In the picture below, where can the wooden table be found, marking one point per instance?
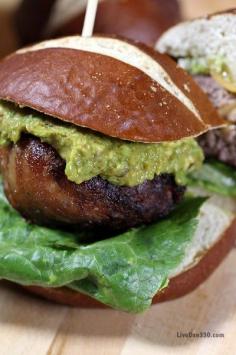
(31, 326)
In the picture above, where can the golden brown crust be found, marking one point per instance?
(65, 296)
(187, 84)
(223, 12)
(178, 286)
(192, 278)
(106, 94)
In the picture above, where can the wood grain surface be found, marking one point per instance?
(29, 325)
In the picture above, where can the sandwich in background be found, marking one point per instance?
(206, 48)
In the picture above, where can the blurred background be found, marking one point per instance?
(20, 25)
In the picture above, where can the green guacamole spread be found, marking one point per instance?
(195, 65)
(204, 65)
(88, 154)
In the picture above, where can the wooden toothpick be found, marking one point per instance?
(90, 16)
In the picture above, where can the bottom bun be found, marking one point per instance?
(178, 286)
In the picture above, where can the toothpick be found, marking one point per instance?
(90, 18)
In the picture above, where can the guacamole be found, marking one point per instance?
(195, 65)
(88, 154)
(204, 65)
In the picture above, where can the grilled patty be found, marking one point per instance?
(219, 143)
(216, 93)
(36, 185)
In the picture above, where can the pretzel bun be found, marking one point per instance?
(213, 240)
(203, 37)
(110, 86)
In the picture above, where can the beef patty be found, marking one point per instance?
(36, 186)
(219, 143)
(217, 94)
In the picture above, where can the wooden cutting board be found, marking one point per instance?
(32, 326)
(29, 325)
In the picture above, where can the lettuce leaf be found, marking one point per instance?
(216, 177)
(124, 272)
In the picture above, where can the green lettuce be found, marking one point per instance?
(124, 272)
(215, 176)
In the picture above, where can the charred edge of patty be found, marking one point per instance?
(36, 185)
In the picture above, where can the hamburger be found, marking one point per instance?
(97, 140)
(205, 48)
(136, 19)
